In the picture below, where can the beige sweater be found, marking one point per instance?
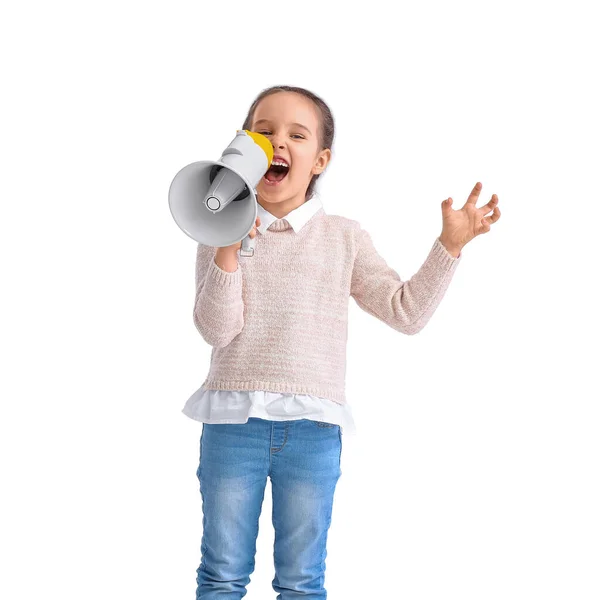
(280, 321)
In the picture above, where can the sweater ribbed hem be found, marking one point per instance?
(338, 396)
(446, 258)
(224, 278)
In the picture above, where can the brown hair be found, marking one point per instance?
(326, 134)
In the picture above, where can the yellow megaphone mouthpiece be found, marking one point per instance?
(264, 143)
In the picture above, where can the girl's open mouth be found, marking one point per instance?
(275, 175)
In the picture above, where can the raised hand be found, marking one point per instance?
(461, 226)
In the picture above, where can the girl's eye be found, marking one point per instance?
(265, 132)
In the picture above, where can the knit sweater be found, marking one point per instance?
(280, 321)
(238, 406)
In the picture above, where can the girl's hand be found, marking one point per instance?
(235, 247)
(461, 226)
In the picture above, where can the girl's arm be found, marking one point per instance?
(218, 312)
(404, 306)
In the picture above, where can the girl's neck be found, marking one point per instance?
(282, 209)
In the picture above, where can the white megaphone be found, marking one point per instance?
(214, 202)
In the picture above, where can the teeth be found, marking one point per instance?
(279, 163)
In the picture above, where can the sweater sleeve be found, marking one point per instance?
(218, 312)
(404, 306)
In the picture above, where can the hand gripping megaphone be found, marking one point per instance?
(214, 202)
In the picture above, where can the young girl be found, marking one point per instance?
(273, 404)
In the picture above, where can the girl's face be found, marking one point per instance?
(290, 121)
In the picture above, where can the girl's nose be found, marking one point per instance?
(276, 143)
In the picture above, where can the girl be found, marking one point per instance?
(273, 404)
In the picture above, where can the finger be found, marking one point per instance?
(486, 208)
(487, 221)
(494, 216)
(446, 205)
(474, 194)
(253, 232)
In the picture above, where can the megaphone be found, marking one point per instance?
(214, 201)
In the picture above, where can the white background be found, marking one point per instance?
(468, 478)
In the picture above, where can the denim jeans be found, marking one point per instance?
(302, 459)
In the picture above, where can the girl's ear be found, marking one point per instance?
(322, 161)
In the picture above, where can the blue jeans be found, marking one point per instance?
(302, 459)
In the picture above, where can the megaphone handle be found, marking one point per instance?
(247, 248)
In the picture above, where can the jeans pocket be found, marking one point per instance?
(324, 424)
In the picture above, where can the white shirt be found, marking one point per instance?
(221, 406)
